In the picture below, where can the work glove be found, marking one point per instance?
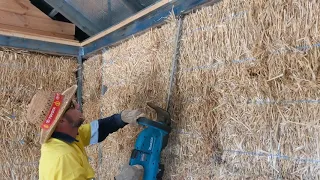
(131, 116)
(130, 173)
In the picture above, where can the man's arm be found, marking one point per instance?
(101, 128)
(109, 125)
(98, 130)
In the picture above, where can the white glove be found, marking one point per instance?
(131, 116)
(130, 173)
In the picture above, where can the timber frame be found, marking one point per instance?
(152, 16)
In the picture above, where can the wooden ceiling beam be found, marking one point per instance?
(25, 21)
(22, 7)
(26, 31)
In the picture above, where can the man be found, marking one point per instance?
(63, 137)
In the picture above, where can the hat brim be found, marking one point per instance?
(68, 95)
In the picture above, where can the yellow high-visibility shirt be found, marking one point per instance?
(66, 161)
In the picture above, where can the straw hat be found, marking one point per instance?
(40, 105)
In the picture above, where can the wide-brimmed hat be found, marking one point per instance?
(47, 108)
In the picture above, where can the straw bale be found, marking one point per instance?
(91, 110)
(255, 112)
(300, 141)
(184, 157)
(249, 138)
(135, 72)
(190, 145)
(250, 60)
(92, 78)
(242, 167)
(196, 98)
(23, 172)
(21, 75)
(91, 101)
(93, 156)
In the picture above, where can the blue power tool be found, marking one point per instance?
(150, 142)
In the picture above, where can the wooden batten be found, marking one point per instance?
(23, 7)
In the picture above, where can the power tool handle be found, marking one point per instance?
(142, 119)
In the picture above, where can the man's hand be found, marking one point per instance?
(130, 173)
(131, 116)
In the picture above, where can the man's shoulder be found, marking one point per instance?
(56, 148)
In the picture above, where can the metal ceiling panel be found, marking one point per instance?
(106, 13)
(152, 19)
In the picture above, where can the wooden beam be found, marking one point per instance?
(39, 38)
(39, 46)
(126, 22)
(27, 31)
(22, 7)
(14, 19)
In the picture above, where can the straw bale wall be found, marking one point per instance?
(136, 72)
(92, 88)
(245, 100)
(92, 100)
(21, 75)
(246, 95)
(258, 62)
